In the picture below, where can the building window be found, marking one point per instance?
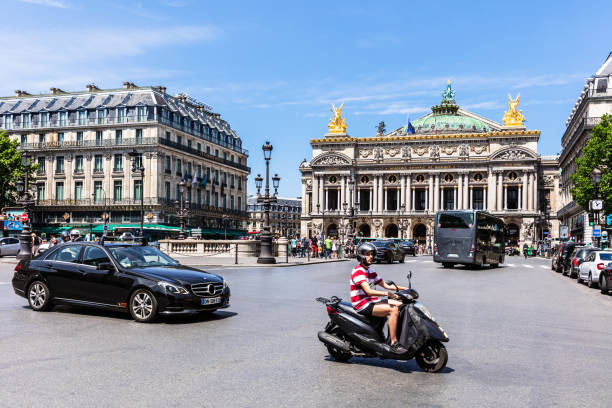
(208, 198)
(79, 138)
(40, 192)
(98, 191)
(24, 140)
(420, 197)
(63, 118)
(216, 200)
(25, 120)
(120, 115)
(44, 119)
(420, 178)
(512, 197)
(82, 117)
(59, 164)
(60, 137)
(207, 149)
(168, 164)
(118, 190)
(101, 113)
(199, 147)
(216, 152)
(118, 136)
(78, 190)
(141, 113)
(179, 168)
(478, 198)
(477, 177)
(99, 138)
(199, 197)
(232, 181)
(41, 164)
(167, 135)
(178, 193)
(239, 203)
(78, 164)
(8, 122)
(138, 136)
(240, 183)
(167, 190)
(200, 171)
(231, 202)
(59, 190)
(189, 169)
(449, 199)
(118, 163)
(137, 190)
(98, 163)
(189, 144)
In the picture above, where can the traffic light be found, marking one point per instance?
(591, 219)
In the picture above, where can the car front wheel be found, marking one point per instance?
(39, 296)
(143, 306)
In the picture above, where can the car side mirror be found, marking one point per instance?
(105, 266)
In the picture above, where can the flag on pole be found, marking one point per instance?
(194, 180)
(409, 128)
(203, 182)
(186, 178)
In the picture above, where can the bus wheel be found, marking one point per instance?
(447, 265)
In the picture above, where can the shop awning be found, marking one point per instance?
(99, 229)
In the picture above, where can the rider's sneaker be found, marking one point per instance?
(398, 348)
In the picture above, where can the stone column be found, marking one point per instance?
(536, 196)
(466, 193)
(430, 194)
(304, 198)
(342, 193)
(375, 194)
(505, 197)
(402, 193)
(326, 198)
(530, 193)
(485, 203)
(315, 192)
(428, 203)
(385, 196)
(490, 203)
(471, 206)
(525, 199)
(371, 207)
(455, 197)
(413, 198)
(499, 191)
(520, 201)
(409, 194)
(459, 201)
(436, 194)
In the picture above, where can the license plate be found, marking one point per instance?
(211, 301)
(453, 256)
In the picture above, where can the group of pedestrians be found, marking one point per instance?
(327, 247)
(72, 236)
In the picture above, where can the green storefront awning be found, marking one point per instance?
(99, 229)
(53, 229)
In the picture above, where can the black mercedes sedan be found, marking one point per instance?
(118, 276)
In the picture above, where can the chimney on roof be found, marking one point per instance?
(92, 88)
(160, 89)
(56, 91)
(216, 115)
(21, 93)
(129, 85)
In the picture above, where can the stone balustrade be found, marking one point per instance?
(213, 247)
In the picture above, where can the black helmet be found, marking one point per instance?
(65, 234)
(363, 248)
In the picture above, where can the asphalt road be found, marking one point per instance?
(521, 335)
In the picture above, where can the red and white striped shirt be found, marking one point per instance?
(359, 298)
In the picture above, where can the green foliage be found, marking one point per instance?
(596, 153)
(11, 170)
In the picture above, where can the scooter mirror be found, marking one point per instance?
(390, 282)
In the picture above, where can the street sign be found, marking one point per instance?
(602, 218)
(564, 231)
(609, 219)
(24, 217)
(597, 231)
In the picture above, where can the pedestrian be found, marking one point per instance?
(328, 247)
(304, 246)
(294, 246)
(334, 248)
(315, 248)
(52, 241)
(36, 243)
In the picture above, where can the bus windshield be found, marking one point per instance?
(456, 220)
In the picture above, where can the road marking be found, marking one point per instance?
(543, 266)
(513, 265)
(5, 283)
(414, 260)
(528, 266)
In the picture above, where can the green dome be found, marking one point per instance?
(449, 123)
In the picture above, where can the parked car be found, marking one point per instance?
(590, 269)
(605, 280)
(388, 251)
(133, 278)
(577, 257)
(562, 256)
(9, 246)
(408, 247)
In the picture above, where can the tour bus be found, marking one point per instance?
(469, 238)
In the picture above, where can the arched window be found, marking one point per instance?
(477, 177)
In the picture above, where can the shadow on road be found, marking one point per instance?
(401, 366)
(186, 319)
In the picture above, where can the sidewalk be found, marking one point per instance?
(223, 260)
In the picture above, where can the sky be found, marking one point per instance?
(273, 69)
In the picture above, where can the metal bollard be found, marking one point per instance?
(236, 256)
(308, 254)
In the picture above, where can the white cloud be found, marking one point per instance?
(48, 3)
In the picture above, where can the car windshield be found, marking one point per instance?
(137, 256)
(380, 244)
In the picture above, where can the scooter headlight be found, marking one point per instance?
(424, 310)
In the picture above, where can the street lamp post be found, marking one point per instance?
(25, 250)
(136, 167)
(265, 254)
(596, 177)
(182, 210)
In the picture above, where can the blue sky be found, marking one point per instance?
(272, 69)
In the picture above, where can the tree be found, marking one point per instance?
(11, 170)
(381, 129)
(597, 152)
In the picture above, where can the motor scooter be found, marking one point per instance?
(350, 334)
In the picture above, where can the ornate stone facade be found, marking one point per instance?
(447, 159)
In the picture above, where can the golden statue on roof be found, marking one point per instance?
(513, 117)
(337, 124)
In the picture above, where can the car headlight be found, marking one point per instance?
(172, 289)
(225, 283)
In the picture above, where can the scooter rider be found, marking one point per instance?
(75, 236)
(366, 300)
(65, 237)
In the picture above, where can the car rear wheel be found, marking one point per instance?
(390, 258)
(143, 306)
(590, 282)
(39, 296)
(402, 259)
(578, 278)
(603, 285)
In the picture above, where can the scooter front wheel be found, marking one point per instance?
(432, 357)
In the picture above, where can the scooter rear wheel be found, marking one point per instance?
(432, 357)
(338, 355)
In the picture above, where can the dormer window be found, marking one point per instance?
(141, 114)
(82, 117)
(63, 118)
(120, 115)
(25, 120)
(101, 113)
(44, 119)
